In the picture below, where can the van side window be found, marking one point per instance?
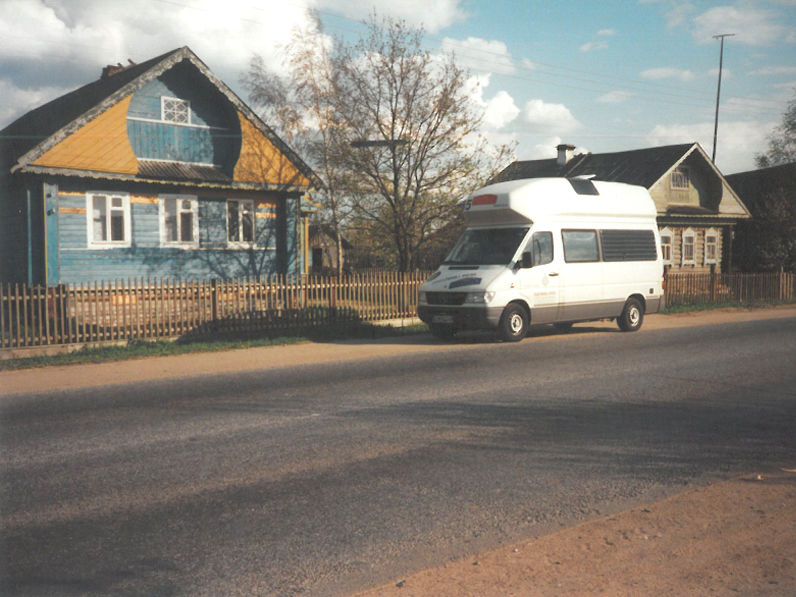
(628, 245)
(580, 246)
(542, 247)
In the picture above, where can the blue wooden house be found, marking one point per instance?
(156, 170)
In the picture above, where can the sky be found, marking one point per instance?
(601, 75)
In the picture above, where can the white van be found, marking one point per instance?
(548, 250)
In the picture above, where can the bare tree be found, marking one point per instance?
(303, 107)
(415, 128)
(390, 128)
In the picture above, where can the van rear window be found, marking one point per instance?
(628, 245)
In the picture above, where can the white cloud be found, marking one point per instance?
(432, 16)
(751, 25)
(500, 110)
(738, 141)
(17, 101)
(614, 97)
(546, 148)
(545, 118)
(65, 43)
(774, 70)
(480, 55)
(678, 14)
(606, 32)
(593, 45)
(667, 72)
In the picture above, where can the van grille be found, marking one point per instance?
(446, 298)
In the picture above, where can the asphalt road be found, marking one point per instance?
(327, 478)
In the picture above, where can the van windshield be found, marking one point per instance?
(486, 246)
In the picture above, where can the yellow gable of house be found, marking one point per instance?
(100, 145)
(261, 162)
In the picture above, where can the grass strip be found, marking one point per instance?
(136, 349)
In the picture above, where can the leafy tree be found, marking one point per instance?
(782, 142)
(767, 242)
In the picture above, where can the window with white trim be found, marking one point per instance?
(179, 217)
(108, 219)
(666, 245)
(240, 221)
(711, 246)
(680, 178)
(175, 110)
(688, 248)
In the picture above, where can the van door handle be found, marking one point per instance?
(552, 274)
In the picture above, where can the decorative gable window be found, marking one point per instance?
(179, 220)
(666, 245)
(240, 221)
(688, 250)
(108, 219)
(175, 110)
(680, 179)
(711, 246)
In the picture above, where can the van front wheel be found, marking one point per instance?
(632, 316)
(513, 324)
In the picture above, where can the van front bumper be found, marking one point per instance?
(461, 318)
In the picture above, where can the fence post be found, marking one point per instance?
(214, 304)
(712, 283)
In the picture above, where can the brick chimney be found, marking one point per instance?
(565, 153)
(112, 69)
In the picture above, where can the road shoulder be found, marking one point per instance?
(732, 537)
(59, 378)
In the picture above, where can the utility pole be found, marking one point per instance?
(718, 91)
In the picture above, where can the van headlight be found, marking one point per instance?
(479, 298)
(422, 298)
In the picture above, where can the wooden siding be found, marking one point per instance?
(261, 162)
(212, 137)
(214, 258)
(699, 266)
(100, 145)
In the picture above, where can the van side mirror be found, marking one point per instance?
(527, 260)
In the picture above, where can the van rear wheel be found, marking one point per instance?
(632, 316)
(513, 324)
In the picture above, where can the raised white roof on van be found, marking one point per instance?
(534, 199)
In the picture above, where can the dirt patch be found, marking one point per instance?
(729, 538)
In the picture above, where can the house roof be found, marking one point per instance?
(753, 186)
(30, 136)
(642, 167)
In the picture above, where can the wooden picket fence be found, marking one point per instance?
(147, 309)
(150, 309)
(688, 289)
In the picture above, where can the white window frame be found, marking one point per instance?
(194, 210)
(688, 233)
(110, 209)
(163, 110)
(239, 242)
(712, 232)
(680, 178)
(667, 233)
